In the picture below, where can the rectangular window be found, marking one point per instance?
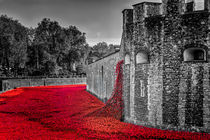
(142, 88)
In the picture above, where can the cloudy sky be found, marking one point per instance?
(101, 20)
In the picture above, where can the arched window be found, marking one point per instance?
(194, 54)
(127, 59)
(141, 57)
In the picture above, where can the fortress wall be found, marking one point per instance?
(183, 80)
(206, 97)
(168, 91)
(193, 86)
(14, 83)
(141, 92)
(101, 76)
(125, 51)
(171, 100)
(171, 51)
(126, 91)
(154, 41)
(148, 76)
(194, 105)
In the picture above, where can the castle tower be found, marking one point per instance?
(184, 62)
(166, 71)
(147, 63)
(138, 97)
(171, 52)
(126, 44)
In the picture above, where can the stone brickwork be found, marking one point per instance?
(166, 73)
(126, 46)
(14, 83)
(175, 88)
(101, 76)
(126, 91)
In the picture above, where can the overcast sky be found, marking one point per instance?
(101, 20)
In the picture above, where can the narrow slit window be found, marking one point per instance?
(142, 88)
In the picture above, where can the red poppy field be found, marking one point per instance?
(68, 112)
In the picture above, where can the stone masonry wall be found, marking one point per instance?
(148, 77)
(14, 83)
(125, 50)
(176, 92)
(167, 91)
(191, 94)
(141, 93)
(184, 83)
(101, 76)
(126, 91)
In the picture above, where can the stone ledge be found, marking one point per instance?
(168, 127)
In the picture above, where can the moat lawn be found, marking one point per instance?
(64, 112)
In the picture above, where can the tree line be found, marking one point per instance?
(45, 50)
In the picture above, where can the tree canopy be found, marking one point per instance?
(13, 45)
(48, 49)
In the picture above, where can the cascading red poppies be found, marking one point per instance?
(114, 106)
(70, 112)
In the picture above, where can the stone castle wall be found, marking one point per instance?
(166, 72)
(169, 90)
(101, 76)
(145, 100)
(14, 83)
